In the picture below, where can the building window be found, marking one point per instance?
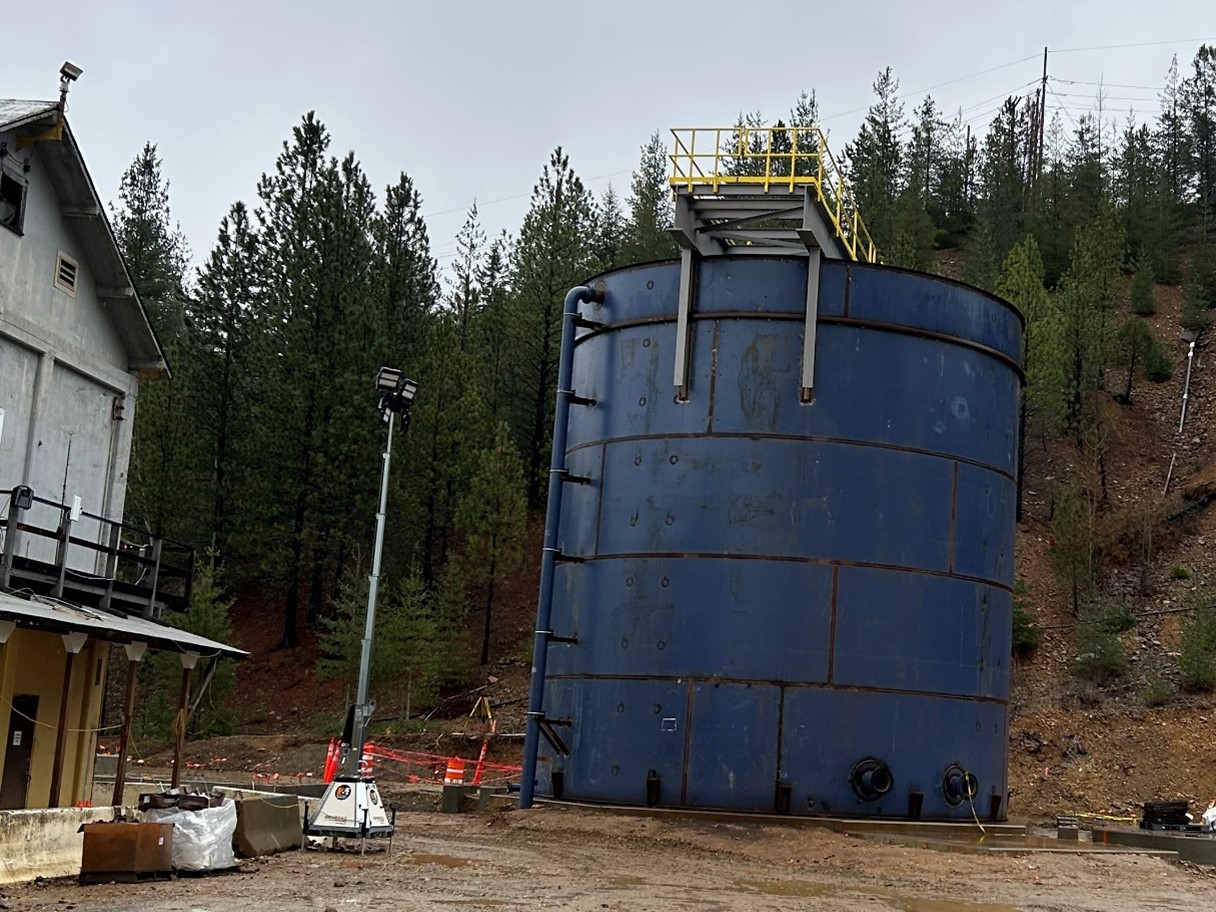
(65, 274)
(12, 202)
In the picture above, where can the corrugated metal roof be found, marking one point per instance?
(60, 617)
(15, 111)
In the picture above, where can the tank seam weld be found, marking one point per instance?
(797, 438)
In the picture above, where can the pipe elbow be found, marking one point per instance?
(581, 294)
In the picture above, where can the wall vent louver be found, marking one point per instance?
(65, 274)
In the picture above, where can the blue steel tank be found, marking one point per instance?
(769, 605)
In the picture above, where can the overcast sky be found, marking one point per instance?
(470, 97)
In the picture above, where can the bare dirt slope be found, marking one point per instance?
(581, 860)
(1077, 747)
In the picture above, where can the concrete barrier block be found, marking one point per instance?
(266, 824)
(48, 842)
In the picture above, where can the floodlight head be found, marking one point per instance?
(69, 72)
(396, 392)
(388, 379)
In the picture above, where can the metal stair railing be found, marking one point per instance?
(771, 160)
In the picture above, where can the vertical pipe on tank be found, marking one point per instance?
(553, 509)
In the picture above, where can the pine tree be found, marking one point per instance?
(912, 244)
(428, 651)
(610, 230)
(152, 245)
(875, 160)
(321, 334)
(491, 515)
(1004, 187)
(221, 314)
(980, 266)
(1173, 142)
(493, 278)
(743, 152)
(449, 424)
(1021, 283)
(1137, 346)
(1087, 303)
(956, 181)
(1141, 193)
(650, 213)
(166, 493)
(927, 161)
(415, 644)
(1051, 196)
(1194, 316)
(1142, 303)
(1086, 176)
(160, 676)
(553, 254)
(464, 296)
(804, 130)
(1073, 545)
(1198, 96)
(208, 616)
(405, 274)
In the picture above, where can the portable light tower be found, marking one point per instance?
(351, 805)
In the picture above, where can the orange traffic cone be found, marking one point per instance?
(455, 772)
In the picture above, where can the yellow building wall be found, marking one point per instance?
(32, 662)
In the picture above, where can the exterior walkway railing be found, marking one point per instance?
(771, 159)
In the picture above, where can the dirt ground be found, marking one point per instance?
(577, 859)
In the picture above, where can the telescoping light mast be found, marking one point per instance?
(352, 806)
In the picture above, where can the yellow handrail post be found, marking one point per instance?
(793, 158)
(717, 157)
(768, 157)
(693, 155)
(839, 197)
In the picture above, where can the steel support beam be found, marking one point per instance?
(688, 265)
(806, 392)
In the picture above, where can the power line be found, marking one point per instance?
(1110, 85)
(1104, 97)
(517, 196)
(1063, 107)
(1002, 66)
(980, 116)
(1115, 47)
(1001, 97)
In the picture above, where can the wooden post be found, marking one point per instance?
(11, 525)
(72, 644)
(61, 556)
(183, 714)
(135, 652)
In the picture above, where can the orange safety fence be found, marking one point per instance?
(421, 767)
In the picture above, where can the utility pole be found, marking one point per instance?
(1042, 117)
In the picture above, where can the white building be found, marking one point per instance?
(75, 342)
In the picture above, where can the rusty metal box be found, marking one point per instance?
(125, 851)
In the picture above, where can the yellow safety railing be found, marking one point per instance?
(771, 158)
